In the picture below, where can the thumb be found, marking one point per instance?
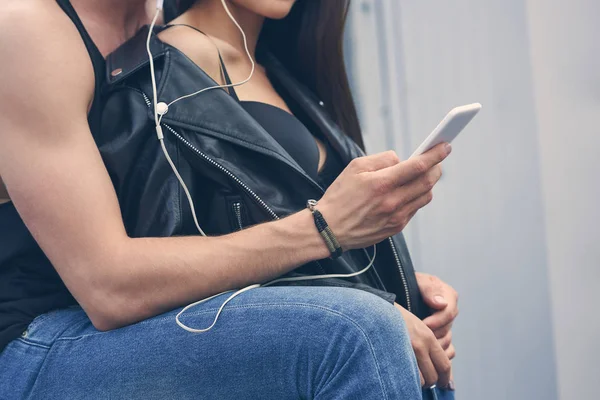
(432, 291)
(435, 300)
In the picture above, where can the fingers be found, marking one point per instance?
(443, 331)
(398, 221)
(441, 318)
(427, 368)
(446, 340)
(375, 162)
(442, 364)
(429, 372)
(406, 171)
(420, 188)
(450, 353)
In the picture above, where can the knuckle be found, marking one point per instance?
(455, 313)
(445, 342)
(399, 224)
(388, 206)
(431, 339)
(364, 180)
(380, 186)
(431, 380)
(428, 197)
(392, 156)
(446, 367)
(398, 218)
(451, 352)
(430, 181)
(421, 167)
(355, 163)
(420, 347)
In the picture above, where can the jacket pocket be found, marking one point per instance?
(237, 214)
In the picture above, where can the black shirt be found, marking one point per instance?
(29, 284)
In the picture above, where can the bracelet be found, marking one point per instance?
(330, 240)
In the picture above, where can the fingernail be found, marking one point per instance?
(448, 148)
(440, 300)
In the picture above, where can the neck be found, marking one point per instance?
(210, 17)
(112, 22)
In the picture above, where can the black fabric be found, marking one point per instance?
(293, 135)
(289, 132)
(29, 285)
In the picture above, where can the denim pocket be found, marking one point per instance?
(31, 328)
(46, 326)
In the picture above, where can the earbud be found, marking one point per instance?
(162, 108)
(160, 4)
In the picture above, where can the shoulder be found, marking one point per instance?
(41, 50)
(198, 47)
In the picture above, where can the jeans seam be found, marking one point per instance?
(249, 306)
(33, 386)
(30, 343)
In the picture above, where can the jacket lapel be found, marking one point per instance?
(313, 108)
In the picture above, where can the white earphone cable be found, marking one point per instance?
(247, 50)
(292, 279)
(159, 132)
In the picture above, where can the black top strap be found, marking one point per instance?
(95, 54)
(98, 62)
(231, 90)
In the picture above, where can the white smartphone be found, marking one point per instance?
(449, 128)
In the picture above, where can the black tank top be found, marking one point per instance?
(29, 285)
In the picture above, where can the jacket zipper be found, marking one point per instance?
(267, 208)
(226, 171)
(237, 211)
(219, 166)
(402, 275)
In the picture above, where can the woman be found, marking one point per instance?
(297, 342)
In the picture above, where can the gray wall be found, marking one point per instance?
(565, 52)
(514, 220)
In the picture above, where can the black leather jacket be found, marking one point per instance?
(237, 173)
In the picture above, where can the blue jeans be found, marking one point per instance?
(269, 343)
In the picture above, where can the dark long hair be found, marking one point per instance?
(309, 43)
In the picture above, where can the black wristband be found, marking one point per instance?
(330, 240)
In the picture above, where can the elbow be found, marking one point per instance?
(103, 323)
(112, 312)
(108, 297)
(104, 311)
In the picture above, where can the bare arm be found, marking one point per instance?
(56, 179)
(58, 183)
